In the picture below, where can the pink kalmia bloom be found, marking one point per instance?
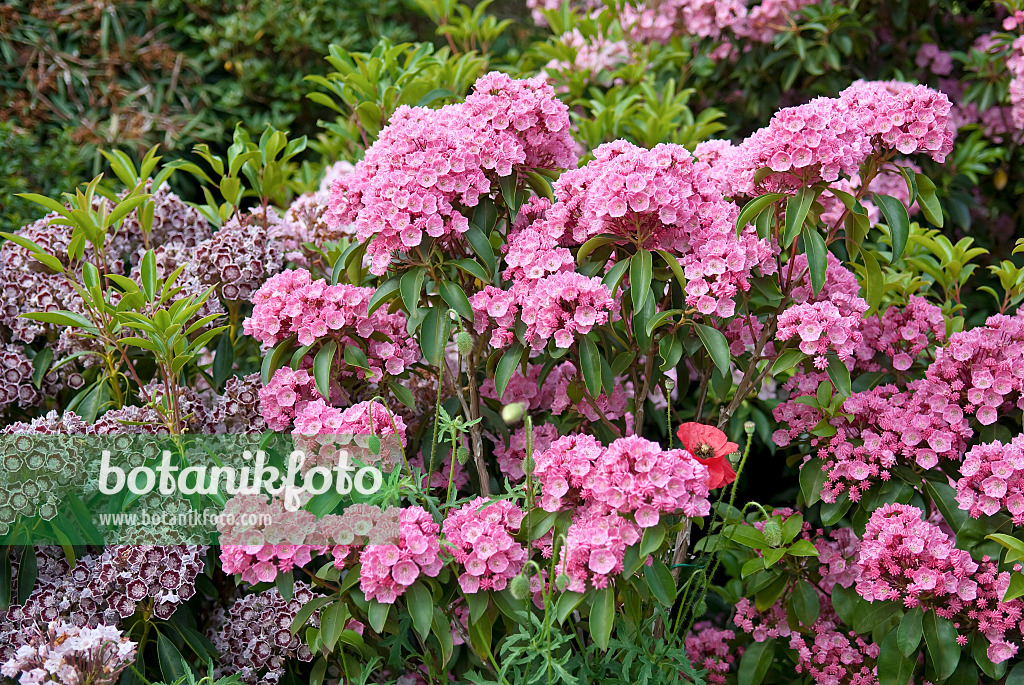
(479, 535)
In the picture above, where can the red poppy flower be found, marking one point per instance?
(710, 447)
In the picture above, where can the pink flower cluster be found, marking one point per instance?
(565, 471)
(322, 432)
(291, 303)
(427, 164)
(356, 527)
(823, 327)
(902, 333)
(595, 547)
(260, 552)
(902, 116)
(708, 648)
(802, 145)
(1015, 65)
(830, 655)
(65, 654)
(286, 396)
(511, 458)
(664, 199)
(558, 307)
(387, 570)
(634, 475)
(979, 372)
(827, 137)
(480, 535)
(938, 62)
(992, 478)
(906, 559)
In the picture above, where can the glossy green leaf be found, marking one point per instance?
(434, 335)
(322, 364)
(590, 364)
(817, 257)
(507, 365)
(602, 616)
(910, 632)
(755, 662)
(421, 607)
(453, 294)
(797, 208)
(753, 208)
(943, 650)
(899, 222)
(894, 667)
(715, 343)
(640, 273)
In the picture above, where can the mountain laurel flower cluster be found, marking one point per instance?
(676, 352)
(70, 655)
(480, 533)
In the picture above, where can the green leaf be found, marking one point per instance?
(590, 363)
(873, 614)
(27, 572)
(421, 607)
(802, 548)
(652, 539)
(640, 273)
(660, 581)
(507, 365)
(806, 604)
(602, 616)
(511, 195)
(453, 294)
(675, 266)
(385, 292)
(894, 667)
(402, 394)
(797, 208)
(1016, 675)
(715, 343)
(927, 200)
(840, 376)
(940, 638)
(817, 257)
(307, 610)
(434, 335)
(332, 622)
(566, 604)
(874, 285)
(910, 632)
(316, 676)
(594, 243)
(812, 480)
(442, 629)
(474, 269)
(411, 285)
(614, 277)
(40, 365)
(172, 666)
(274, 359)
(322, 363)
(787, 360)
(753, 208)
(481, 246)
(899, 222)
(377, 615)
(61, 318)
(755, 662)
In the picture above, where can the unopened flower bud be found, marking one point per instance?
(374, 444)
(464, 343)
(749, 427)
(700, 608)
(519, 587)
(772, 533)
(462, 454)
(562, 582)
(670, 384)
(512, 414)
